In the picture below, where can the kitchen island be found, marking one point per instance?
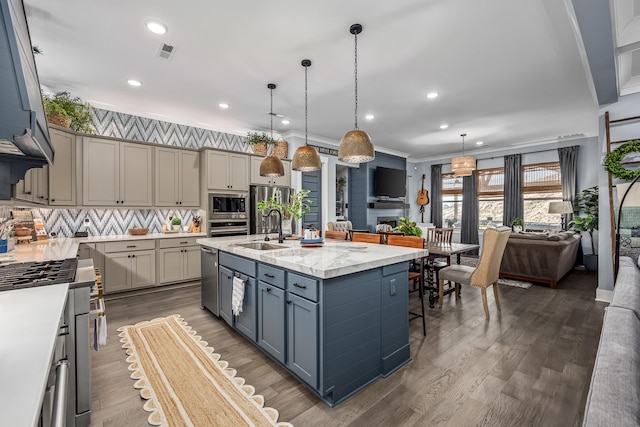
(336, 316)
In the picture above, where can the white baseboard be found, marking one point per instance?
(604, 295)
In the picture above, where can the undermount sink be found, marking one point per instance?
(261, 246)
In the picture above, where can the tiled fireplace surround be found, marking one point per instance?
(65, 222)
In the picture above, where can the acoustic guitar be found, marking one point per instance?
(423, 198)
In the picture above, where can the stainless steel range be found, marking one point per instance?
(81, 277)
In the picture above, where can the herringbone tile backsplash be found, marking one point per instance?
(65, 222)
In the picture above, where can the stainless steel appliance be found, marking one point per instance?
(209, 266)
(80, 275)
(228, 228)
(227, 206)
(258, 193)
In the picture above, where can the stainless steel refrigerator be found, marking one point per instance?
(259, 224)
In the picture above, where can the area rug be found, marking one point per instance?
(185, 383)
(472, 262)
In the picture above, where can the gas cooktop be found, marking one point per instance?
(37, 273)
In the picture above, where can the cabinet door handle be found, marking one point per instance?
(128, 256)
(288, 301)
(53, 200)
(131, 246)
(299, 286)
(183, 243)
(133, 256)
(180, 202)
(176, 203)
(268, 289)
(270, 276)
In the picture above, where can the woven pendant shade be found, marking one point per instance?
(306, 158)
(356, 147)
(271, 166)
(463, 165)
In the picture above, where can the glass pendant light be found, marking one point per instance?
(356, 145)
(271, 165)
(463, 165)
(306, 158)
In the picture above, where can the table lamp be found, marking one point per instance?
(562, 208)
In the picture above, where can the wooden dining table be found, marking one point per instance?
(447, 250)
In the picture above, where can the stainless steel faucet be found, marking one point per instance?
(280, 239)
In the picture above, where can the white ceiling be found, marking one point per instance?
(508, 73)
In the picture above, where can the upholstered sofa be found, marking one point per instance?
(614, 393)
(339, 226)
(540, 257)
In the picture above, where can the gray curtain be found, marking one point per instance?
(436, 195)
(469, 231)
(513, 198)
(568, 174)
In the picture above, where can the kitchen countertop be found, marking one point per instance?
(335, 258)
(27, 341)
(67, 247)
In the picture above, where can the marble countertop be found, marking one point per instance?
(67, 247)
(28, 337)
(335, 258)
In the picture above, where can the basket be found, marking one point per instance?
(260, 148)
(138, 231)
(59, 119)
(281, 149)
(22, 231)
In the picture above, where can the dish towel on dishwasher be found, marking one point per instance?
(237, 296)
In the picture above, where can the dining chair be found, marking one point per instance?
(415, 277)
(440, 235)
(486, 273)
(336, 235)
(435, 263)
(366, 237)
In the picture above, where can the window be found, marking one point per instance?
(451, 200)
(541, 184)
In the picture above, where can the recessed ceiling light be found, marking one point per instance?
(444, 126)
(479, 143)
(369, 117)
(156, 27)
(285, 122)
(432, 95)
(134, 83)
(223, 105)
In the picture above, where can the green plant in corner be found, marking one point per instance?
(587, 201)
(297, 207)
(74, 108)
(517, 222)
(408, 227)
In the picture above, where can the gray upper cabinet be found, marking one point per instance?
(177, 177)
(227, 171)
(62, 175)
(34, 187)
(116, 173)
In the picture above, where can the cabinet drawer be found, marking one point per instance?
(239, 264)
(271, 275)
(129, 245)
(176, 243)
(305, 287)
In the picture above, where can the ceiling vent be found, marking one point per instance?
(165, 51)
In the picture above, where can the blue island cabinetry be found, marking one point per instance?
(335, 335)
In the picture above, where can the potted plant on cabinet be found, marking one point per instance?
(517, 225)
(176, 223)
(259, 142)
(66, 111)
(587, 201)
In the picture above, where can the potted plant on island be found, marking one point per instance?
(517, 225)
(408, 227)
(63, 110)
(297, 207)
(587, 201)
(259, 142)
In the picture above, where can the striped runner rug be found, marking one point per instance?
(185, 383)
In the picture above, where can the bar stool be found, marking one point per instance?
(415, 277)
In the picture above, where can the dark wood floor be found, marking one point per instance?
(530, 365)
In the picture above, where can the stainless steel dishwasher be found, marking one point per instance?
(209, 266)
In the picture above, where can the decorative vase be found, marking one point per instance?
(260, 148)
(281, 149)
(176, 227)
(286, 226)
(517, 229)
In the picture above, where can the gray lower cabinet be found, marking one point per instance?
(246, 321)
(232, 266)
(225, 289)
(271, 320)
(302, 338)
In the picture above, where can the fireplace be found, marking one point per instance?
(390, 220)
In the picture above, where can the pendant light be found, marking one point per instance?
(306, 158)
(463, 165)
(356, 145)
(271, 165)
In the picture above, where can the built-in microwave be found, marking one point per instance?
(228, 206)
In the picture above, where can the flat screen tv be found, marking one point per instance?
(390, 182)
